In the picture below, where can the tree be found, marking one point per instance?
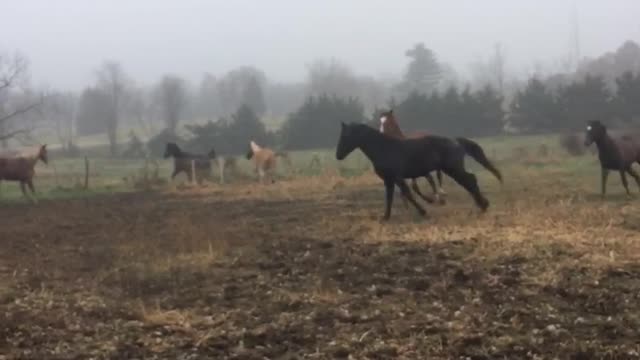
(585, 100)
(93, 112)
(16, 99)
(423, 73)
(232, 88)
(253, 96)
(316, 124)
(61, 109)
(535, 108)
(628, 96)
(115, 83)
(245, 126)
(173, 98)
(207, 99)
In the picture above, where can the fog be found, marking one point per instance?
(66, 40)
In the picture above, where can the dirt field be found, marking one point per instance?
(304, 269)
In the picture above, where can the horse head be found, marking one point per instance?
(348, 140)
(171, 150)
(388, 123)
(596, 131)
(212, 154)
(250, 153)
(43, 155)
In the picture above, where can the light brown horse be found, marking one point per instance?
(21, 169)
(389, 126)
(264, 160)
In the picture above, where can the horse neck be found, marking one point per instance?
(32, 160)
(393, 129)
(606, 146)
(605, 143)
(373, 144)
(255, 147)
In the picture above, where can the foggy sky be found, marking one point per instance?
(66, 40)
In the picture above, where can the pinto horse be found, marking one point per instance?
(614, 153)
(389, 126)
(264, 160)
(21, 169)
(395, 160)
(182, 161)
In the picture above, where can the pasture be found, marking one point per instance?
(303, 268)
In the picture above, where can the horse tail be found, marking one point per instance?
(474, 150)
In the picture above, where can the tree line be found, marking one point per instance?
(230, 109)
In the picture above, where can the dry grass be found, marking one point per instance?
(304, 267)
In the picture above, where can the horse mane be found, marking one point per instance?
(254, 147)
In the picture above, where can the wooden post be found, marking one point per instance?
(221, 169)
(193, 171)
(86, 173)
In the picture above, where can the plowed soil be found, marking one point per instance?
(304, 269)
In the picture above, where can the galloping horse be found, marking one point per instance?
(395, 160)
(182, 161)
(264, 160)
(389, 126)
(21, 169)
(614, 153)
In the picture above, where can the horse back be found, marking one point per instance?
(15, 169)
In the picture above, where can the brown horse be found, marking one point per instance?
(265, 160)
(389, 126)
(21, 169)
(182, 162)
(614, 153)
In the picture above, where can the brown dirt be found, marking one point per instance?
(285, 272)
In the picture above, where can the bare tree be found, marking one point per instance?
(16, 100)
(115, 83)
(61, 109)
(172, 94)
(142, 108)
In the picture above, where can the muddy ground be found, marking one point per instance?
(287, 272)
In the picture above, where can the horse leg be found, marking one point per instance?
(623, 177)
(261, 174)
(443, 194)
(470, 183)
(24, 190)
(432, 183)
(416, 189)
(33, 190)
(404, 188)
(635, 175)
(603, 178)
(389, 188)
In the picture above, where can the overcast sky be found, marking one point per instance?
(67, 39)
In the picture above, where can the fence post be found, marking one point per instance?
(221, 169)
(193, 171)
(86, 173)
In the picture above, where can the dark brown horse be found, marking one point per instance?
(389, 126)
(21, 169)
(615, 153)
(182, 162)
(395, 160)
